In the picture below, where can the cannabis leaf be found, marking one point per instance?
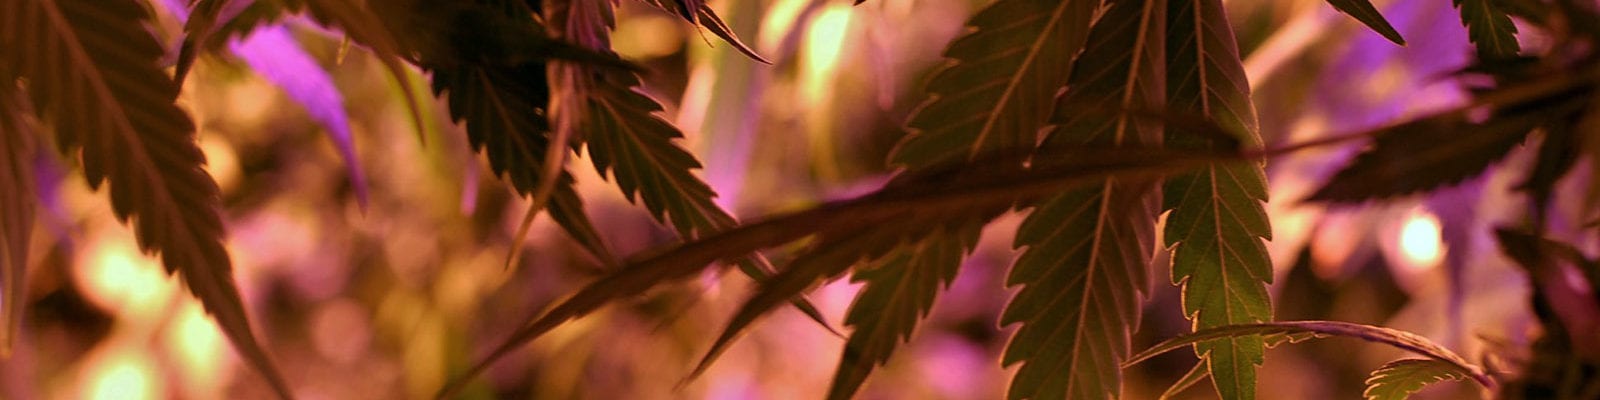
(953, 194)
(16, 209)
(498, 105)
(706, 17)
(895, 295)
(92, 72)
(1086, 263)
(1362, 10)
(1427, 153)
(997, 89)
(1489, 28)
(1217, 220)
(1295, 331)
(1398, 379)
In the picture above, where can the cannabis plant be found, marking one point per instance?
(1121, 131)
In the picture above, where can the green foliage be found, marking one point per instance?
(1217, 220)
(1489, 28)
(1398, 379)
(1093, 116)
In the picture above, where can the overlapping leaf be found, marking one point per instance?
(705, 17)
(1489, 28)
(1086, 263)
(92, 72)
(1432, 152)
(1398, 379)
(1217, 221)
(895, 295)
(998, 87)
(16, 209)
(951, 196)
(1362, 10)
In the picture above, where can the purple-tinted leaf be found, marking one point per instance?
(276, 56)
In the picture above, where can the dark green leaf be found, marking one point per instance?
(16, 209)
(1489, 28)
(1217, 221)
(1428, 153)
(998, 87)
(1292, 330)
(1398, 379)
(1362, 10)
(92, 72)
(1086, 264)
(953, 195)
(895, 294)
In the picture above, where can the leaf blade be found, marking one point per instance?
(92, 68)
(1085, 269)
(1489, 28)
(1217, 222)
(1010, 67)
(1398, 379)
(1363, 11)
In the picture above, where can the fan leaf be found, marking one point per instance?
(1294, 331)
(1086, 264)
(92, 72)
(1362, 10)
(1000, 83)
(895, 295)
(16, 209)
(953, 194)
(1489, 28)
(1431, 152)
(1217, 221)
(706, 17)
(1398, 379)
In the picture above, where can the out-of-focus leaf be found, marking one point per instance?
(998, 87)
(1299, 329)
(275, 55)
(1362, 10)
(706, 17)
(1086, 264)
(1489, 28)
(92, 72)
(1398, 379)
(1558, 152)
(500, 107)
(1427, 153)
(16, 209)
(1217, 221)
(1570, 317)
(895, 294)
(201, 22)
(952, 193)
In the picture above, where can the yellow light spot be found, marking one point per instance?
(123, 374)
(198, 348)
(647, 36)
(825, 40)
(778, 22)
(221, 162)
(121, 280)
(1420, 243)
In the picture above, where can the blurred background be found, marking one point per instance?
(388, 300)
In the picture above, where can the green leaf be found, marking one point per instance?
(502, 109)
(896, 294)
(1362, 10)
(1217, 221)
(92, 71)
(954, 194)
(998, 87)
(1431, 152)
(1086, 265)
(16, 209)
(706, 17)
(1489, 28)
(1398, 379)
(1295, 331)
